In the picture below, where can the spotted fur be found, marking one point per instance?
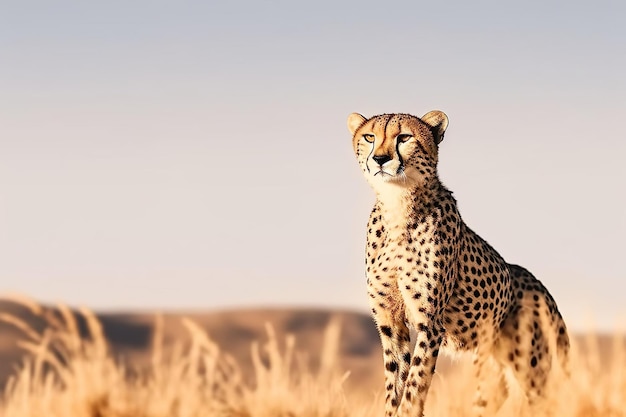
(426, 268)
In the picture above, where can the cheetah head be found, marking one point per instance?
(398, 149)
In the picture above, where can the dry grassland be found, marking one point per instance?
(69, 375)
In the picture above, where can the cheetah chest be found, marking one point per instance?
(400, 263)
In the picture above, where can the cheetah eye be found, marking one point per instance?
(403, 137)
(368, 137)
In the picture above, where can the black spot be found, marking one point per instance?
(392, 366)
(533, 362)
(386, 330)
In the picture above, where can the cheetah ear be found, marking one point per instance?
(355, 120)
(439, 123)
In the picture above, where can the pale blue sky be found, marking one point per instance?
(193, 155)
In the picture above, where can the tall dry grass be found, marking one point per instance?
(66, 374)
(72, 376)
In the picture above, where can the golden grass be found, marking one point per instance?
(72, 376)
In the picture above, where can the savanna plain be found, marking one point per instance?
(57, 361)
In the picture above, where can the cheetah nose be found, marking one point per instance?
(381, 159)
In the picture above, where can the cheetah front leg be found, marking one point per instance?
(427, 323)
(395, 338)
(429, 336)
(425, 291)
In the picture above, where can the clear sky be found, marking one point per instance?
(188, 154)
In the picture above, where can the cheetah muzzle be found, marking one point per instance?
(426, 268)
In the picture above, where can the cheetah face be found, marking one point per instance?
(398, 149)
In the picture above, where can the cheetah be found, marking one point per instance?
(427, 269)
